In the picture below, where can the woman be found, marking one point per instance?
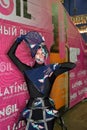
(39, 112)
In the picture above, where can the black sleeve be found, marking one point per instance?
(63, 67)
(11, 53)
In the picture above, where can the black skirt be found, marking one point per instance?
(40, 114)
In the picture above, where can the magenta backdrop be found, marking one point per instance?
(78, 54)
(13, 90)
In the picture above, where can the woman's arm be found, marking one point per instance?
(13, 57)
(60, 69)
(64, 67)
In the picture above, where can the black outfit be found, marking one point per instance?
(39, 112)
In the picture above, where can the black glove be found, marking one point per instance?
(68, 65)
(20, 39)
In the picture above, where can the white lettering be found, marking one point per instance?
(77, 84)
(22, 31)
(21, 124)
(85, 81)
(13, 89)
(5, 67)
(81, 73)
(8, 110)
(14, 31)
(80, 92)
(8, 30)
(1, 30)
(73, 96)
(6, 92)
(72, 75)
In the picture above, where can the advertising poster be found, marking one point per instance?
(18, 17)
(78, 54)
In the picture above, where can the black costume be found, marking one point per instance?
(40, 111)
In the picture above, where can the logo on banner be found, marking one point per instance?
(8, 111)
(7, 8)
(5, 67)
(13, 90)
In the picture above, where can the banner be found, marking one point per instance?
(18, 17)
(78, 75)
(35, 13)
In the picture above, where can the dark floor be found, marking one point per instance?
(75, 118)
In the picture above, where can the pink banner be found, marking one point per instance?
(78, 76)
(13, 89)
(35, 13)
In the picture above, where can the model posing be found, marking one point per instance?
(39, 113)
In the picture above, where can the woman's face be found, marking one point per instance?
(40, 57)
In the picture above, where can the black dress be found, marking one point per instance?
(40, 112)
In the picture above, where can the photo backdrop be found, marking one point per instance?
(18, 17)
